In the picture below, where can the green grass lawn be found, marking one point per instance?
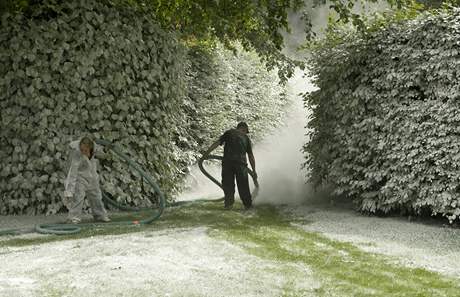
(341, 268)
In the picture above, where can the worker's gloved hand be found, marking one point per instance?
(204, 154)
(254, 176)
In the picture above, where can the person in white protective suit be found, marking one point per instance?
(83, 180)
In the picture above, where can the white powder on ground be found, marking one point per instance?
(411, 244)
(167, 263)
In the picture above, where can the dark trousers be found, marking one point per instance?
(230, 171)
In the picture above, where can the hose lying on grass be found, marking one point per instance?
(65, 229)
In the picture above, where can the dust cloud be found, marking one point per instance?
(278, 157)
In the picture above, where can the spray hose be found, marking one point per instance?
(66, 229)
(61, 229)
(214, 180)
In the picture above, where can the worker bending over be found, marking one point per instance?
(234, 164)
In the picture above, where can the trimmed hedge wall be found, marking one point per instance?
(87, 68)
(94, 67)
(385, 130)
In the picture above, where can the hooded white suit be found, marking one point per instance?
(83, 180)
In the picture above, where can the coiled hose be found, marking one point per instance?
(65, 229)
(72, 228)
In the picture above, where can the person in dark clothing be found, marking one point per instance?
(234, 164)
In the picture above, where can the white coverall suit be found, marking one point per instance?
(83, 180)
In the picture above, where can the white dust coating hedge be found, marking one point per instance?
(386, 124)
(131, 83)
(225, 88)
(91, 69)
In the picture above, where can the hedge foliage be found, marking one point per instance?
(93, 67)
(232, 88)
(223, 88)
(385, 130)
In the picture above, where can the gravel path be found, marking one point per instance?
(29, 222)
(23, 221)
(428, 244)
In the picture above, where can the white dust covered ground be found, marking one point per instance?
(428, 244)
(173, 263)
(188, 262)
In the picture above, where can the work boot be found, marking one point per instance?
(248, 210)
(104, 219)
(74, 220)
(228, 202)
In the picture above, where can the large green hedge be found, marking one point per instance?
(87, 67)
(385, 126)
(94, 67)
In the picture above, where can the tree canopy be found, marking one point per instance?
(256, 24)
